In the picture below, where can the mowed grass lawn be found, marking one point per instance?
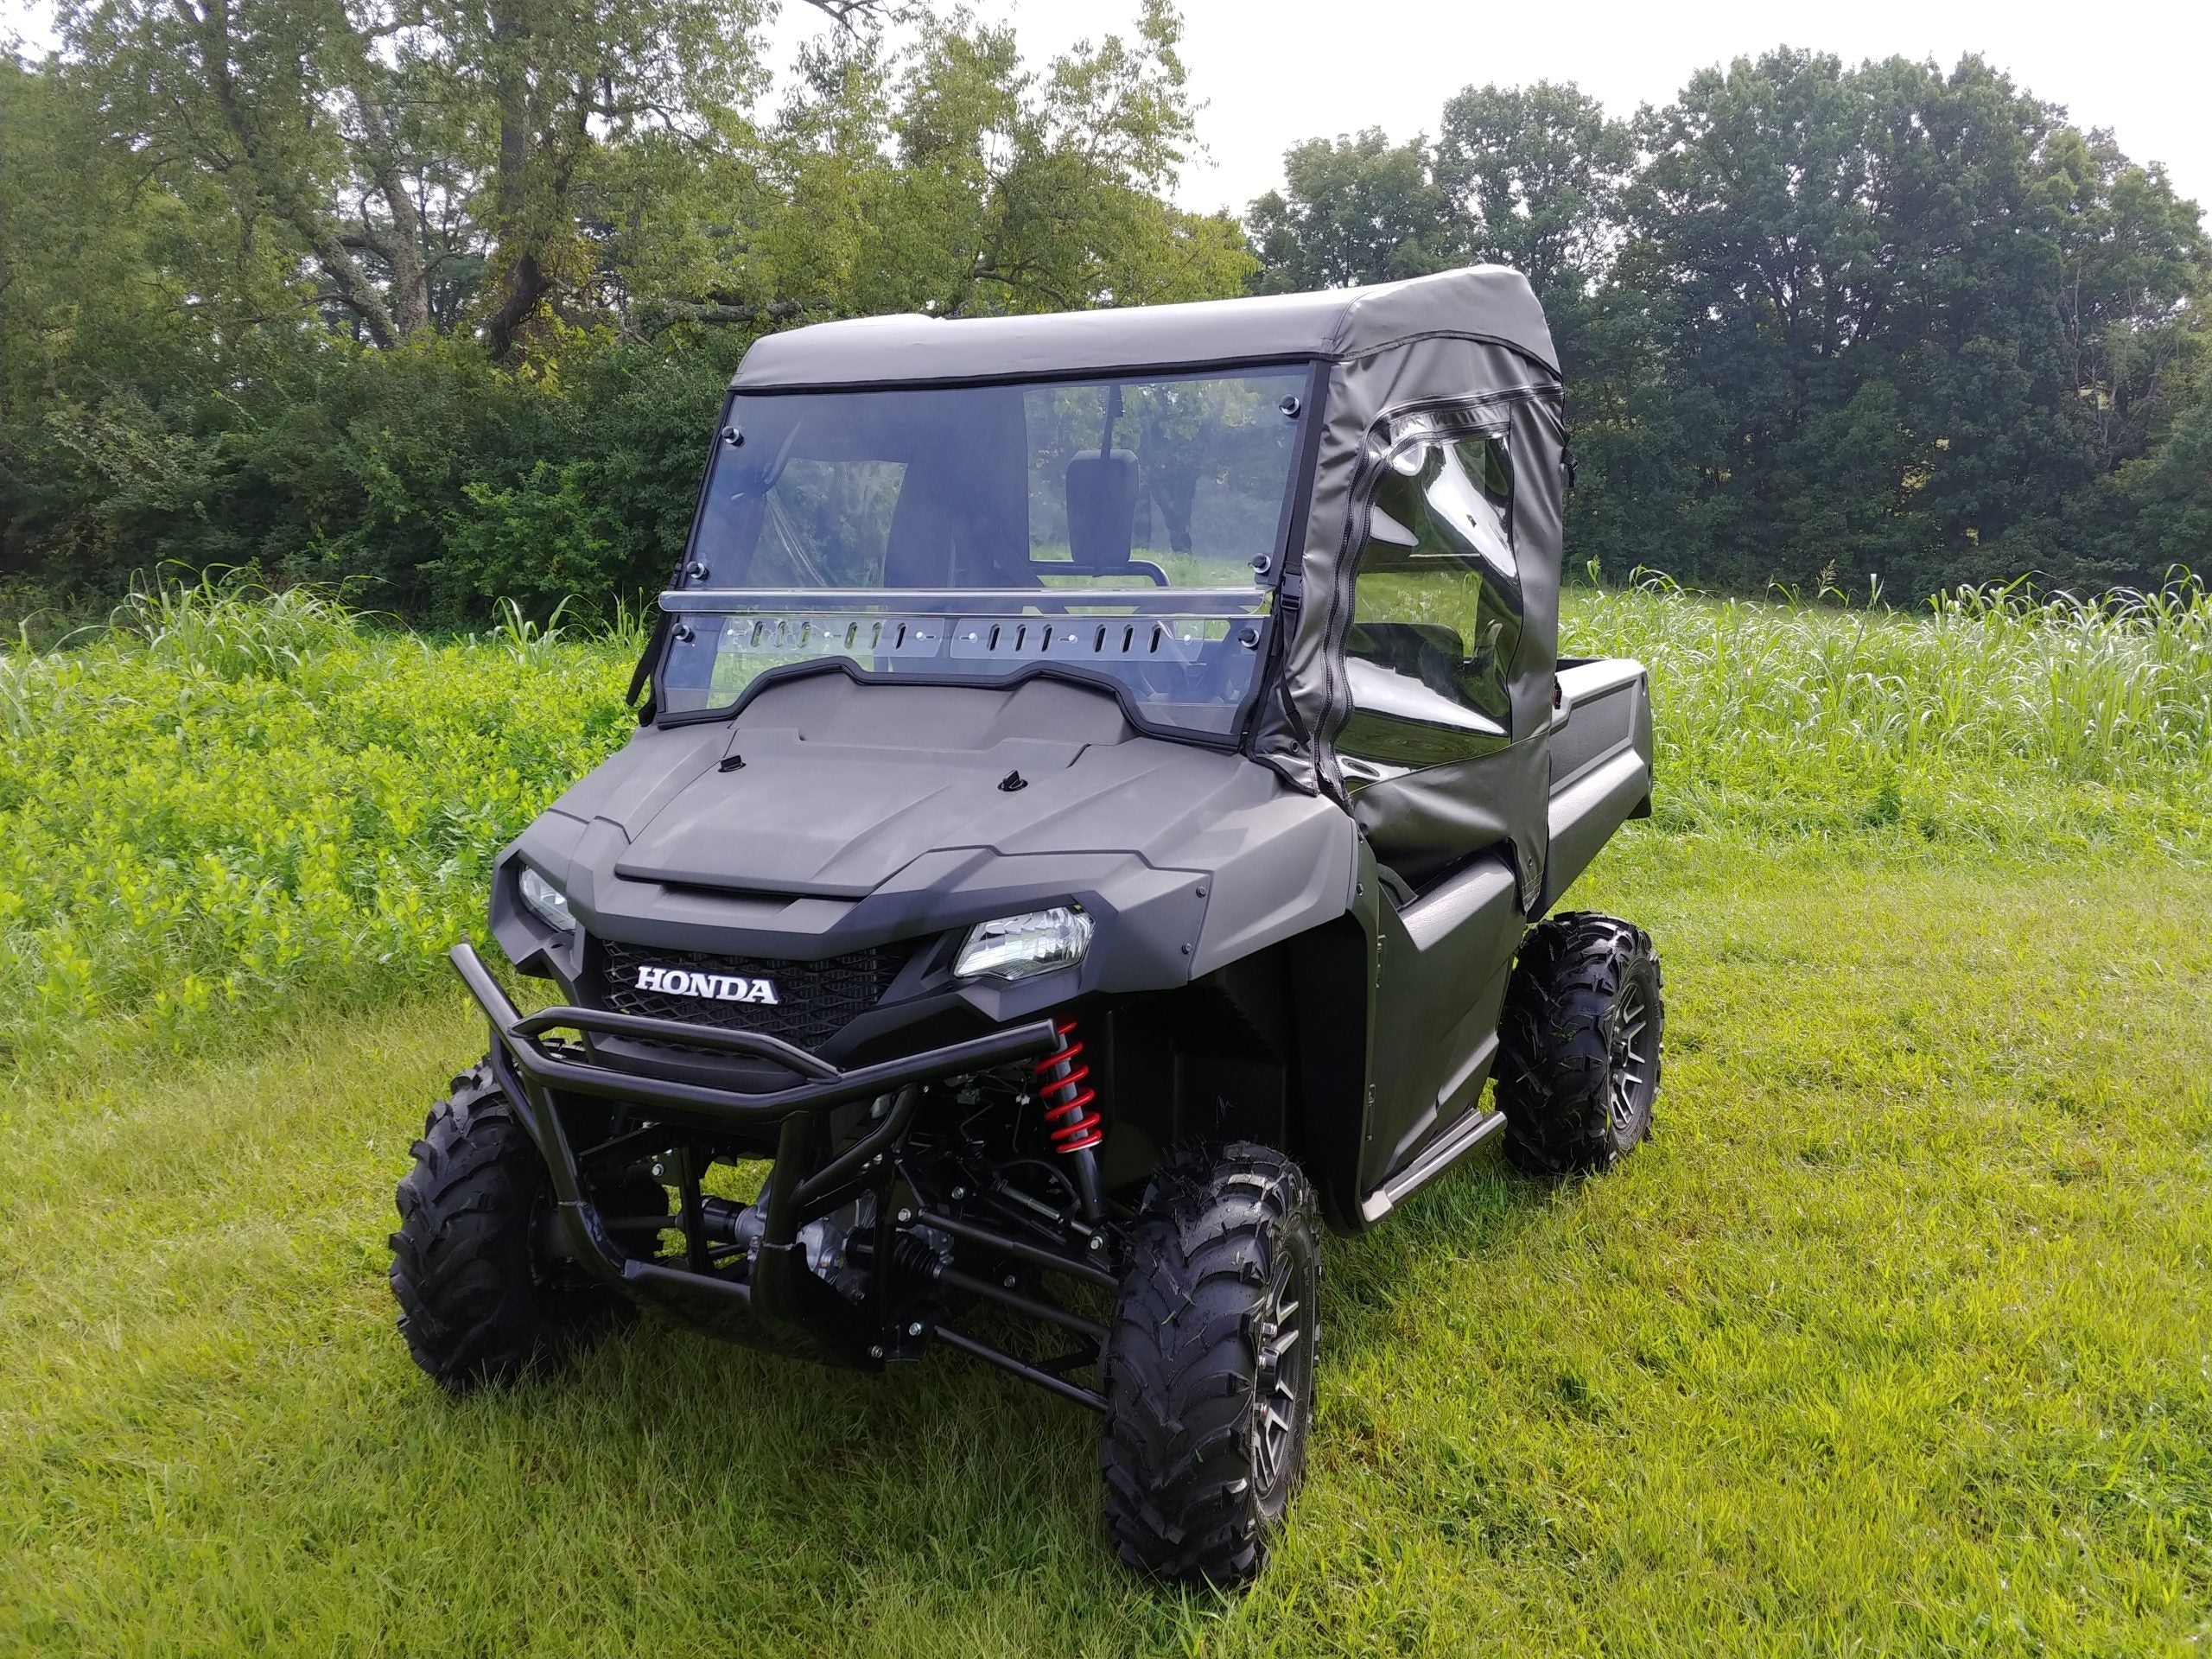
(1895, 1339)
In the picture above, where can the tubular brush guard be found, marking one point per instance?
(780, 1303)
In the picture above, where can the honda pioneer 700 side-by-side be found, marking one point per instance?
(1100, 786)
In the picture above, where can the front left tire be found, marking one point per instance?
(1208, 1366)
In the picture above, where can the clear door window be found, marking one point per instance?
(1437, 606)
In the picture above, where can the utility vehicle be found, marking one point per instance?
(1098, 786)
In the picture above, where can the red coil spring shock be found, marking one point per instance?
(1060, 1074)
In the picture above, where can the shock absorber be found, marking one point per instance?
(1069, 1115)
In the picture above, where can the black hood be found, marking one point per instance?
(834, 799)
(872, 812)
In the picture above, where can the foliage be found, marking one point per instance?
(1828, 324)
(233, 803)
(1356, 210)
(436, 304)
(1537, 174)
(420, 166)
(1996, 716)
(232, 629)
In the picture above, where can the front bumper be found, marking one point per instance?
(778, 1302)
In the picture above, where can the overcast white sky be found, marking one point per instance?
(1273, 71)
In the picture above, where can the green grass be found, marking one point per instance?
(236, 806)
(1896, 1339)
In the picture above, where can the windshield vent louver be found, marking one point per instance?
(1139, 638)
(1027, 638)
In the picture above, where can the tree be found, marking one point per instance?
(1010, 190)
(1354, 210)
(436, 299)
(2130, 254)
(2157, 513)
(118, 302)
(1908, 306)
(952, 178)
(1537, 174)
(434, 165)
(1818, 323)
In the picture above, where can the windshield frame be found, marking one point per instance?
(1265, 597)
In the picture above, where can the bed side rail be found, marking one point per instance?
(1601, 750)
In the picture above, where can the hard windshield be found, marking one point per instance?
(1120, 529)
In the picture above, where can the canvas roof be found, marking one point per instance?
(1483, 302)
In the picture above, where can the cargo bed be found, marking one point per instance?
(1601, 762)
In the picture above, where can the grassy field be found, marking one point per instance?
(1896, 1339)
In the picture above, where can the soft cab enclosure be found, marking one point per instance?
(1233, 626)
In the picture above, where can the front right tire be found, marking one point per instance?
(482, 1297)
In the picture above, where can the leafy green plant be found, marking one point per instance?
(234, 804)
(230, 626)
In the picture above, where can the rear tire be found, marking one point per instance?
(482, 1297)
(1208, 1366)
(1579, 1045)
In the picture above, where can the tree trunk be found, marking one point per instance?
(351, 284)
(524, 282)
(405, 254)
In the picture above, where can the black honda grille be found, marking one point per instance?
(814, 999)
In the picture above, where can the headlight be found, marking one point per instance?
(1016, 947)
(547, 901)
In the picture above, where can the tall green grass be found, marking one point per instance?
(230, 803)
(1993, 716)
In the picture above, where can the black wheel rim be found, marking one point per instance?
(1283, 1352)
(1634, 1058)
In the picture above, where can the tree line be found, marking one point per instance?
(1821, 324)
(434, 302)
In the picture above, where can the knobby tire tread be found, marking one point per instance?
(476, 1303)
(1554, 1065)
(1181, 1503)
